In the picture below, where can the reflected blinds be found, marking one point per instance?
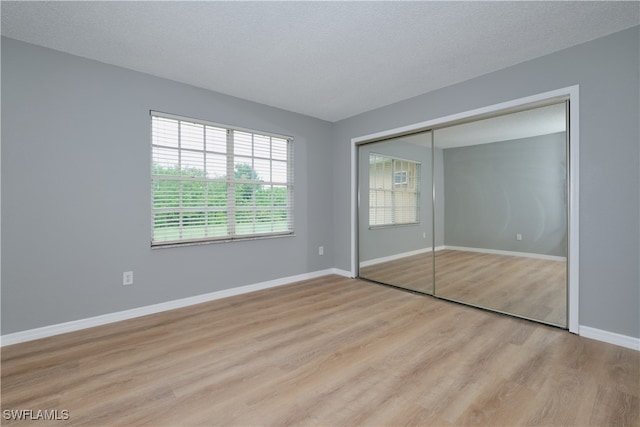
(394, 191)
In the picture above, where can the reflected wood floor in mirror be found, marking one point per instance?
(413, 272)
(329, 351)
(528, 287)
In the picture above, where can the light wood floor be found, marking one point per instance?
(329, 351)
(528, 287)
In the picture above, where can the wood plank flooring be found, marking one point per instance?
(330, 351)
(528, 287)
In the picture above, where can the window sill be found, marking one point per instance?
(222, 240)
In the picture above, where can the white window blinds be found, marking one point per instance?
(211, 182)
(394, 191)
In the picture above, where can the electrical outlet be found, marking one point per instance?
(320, 250)
(518, 236)
(127, 278)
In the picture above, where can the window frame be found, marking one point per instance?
(230, 180)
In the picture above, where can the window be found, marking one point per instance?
(212, 182)
(400, 178)
(394, 191)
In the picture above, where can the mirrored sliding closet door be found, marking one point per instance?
(473, 212)
(395, 212)
(505, 213)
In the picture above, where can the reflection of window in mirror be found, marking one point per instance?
(400, 177)
(394, 191)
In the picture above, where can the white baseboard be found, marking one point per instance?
(509, 253)
(340, 272)
(610, 337)
(75, 325)
(61, 328)
(397, 256)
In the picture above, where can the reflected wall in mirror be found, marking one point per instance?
(504, 185)
(395, 218)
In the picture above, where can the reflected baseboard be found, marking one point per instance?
(501, 252)
(398, 256)
(459, 248)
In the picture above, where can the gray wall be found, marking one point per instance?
(607, 70)
(384, 241)
(495, 191)
(76, 192)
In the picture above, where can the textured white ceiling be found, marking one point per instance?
(330, 60)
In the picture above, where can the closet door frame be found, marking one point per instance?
(572, 94)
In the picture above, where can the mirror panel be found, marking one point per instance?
(503, 206)
(395, 212)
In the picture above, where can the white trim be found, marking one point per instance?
(610, 337)
(344, 273)
(75, 325)
(397, 256)
(509, 253)
(574, 226)
(568, 91)
(355, 201)
(574, 204)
